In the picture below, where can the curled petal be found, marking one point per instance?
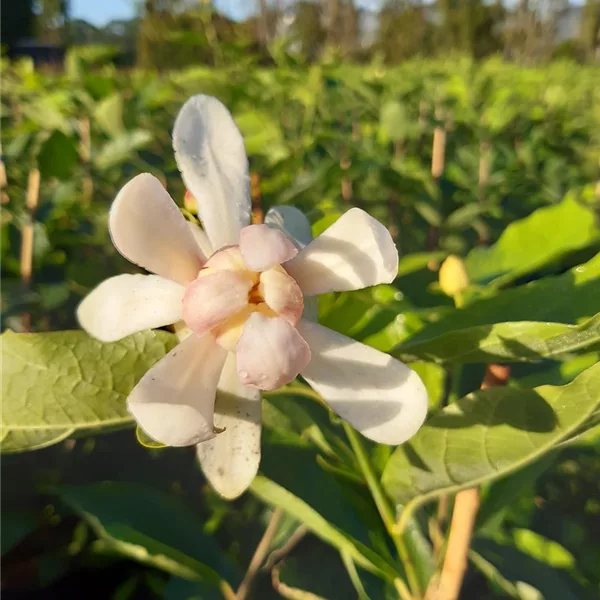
(357, 251)
(270, 352)
(210, 154)
(292, 222)
(282, 294)
(174, 401)
(148, 229)
(211, 300)
(263, 247)
(377, 394)
(230, 460)
(126, 304)
(228, 259)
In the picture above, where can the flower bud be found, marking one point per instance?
(453, 276)
(190, 203)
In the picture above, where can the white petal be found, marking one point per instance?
(148, 229)
(210, 154)
(357, 251)
(264, 247)
(292, 222)
(174, 401)
(230, 460)
(125, 304)
(377, 394)
(201, 239)
(270, 352)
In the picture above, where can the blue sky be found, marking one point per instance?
(100, 12)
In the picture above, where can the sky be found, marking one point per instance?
(100, 12)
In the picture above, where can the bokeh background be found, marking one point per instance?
(447, 120)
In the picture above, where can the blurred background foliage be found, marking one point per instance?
(448, 121)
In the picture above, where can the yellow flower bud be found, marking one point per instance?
(453, 276)
(190, 203)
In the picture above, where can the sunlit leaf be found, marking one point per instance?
(54, 384)
(535, 241)
(488, 434)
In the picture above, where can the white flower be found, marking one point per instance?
(240, 289)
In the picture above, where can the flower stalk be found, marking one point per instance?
(384, 508)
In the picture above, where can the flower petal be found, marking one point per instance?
(292, 222)
(377, 394)
(201, 239)
(210, 154)
(270, 352)
(264, 247)
(212, 299)
(230, 460)
(174, 401)
(149, 230)
(282, 294)
(357, 251)
(126, 304)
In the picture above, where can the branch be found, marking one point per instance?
(259, 554)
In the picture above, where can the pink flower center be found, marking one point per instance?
(226, 292)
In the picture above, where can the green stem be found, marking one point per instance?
(384, 507)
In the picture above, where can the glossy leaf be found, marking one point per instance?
(533, 242)
(562, 299)
(488, 434)
(506, 342)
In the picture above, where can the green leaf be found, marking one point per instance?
(120, 149)
(501, 494)
(145, 440)
(58, 156)
(292, 479)
(487, 435)
(393, 121)
(507, 342)
(262, 135)
(418, 261)
(527, 572)
(493, 575)
(54, 384)
(277, 495)
(542, 549)
(533, 242)
(152, 528)
(562, 299)
(109, 115)
(15, 528)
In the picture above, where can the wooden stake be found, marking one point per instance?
(438, 152)
(85, 153)
(26, 263)
(4, 199)
(258, 215)
(438, 158)
(466, 505)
